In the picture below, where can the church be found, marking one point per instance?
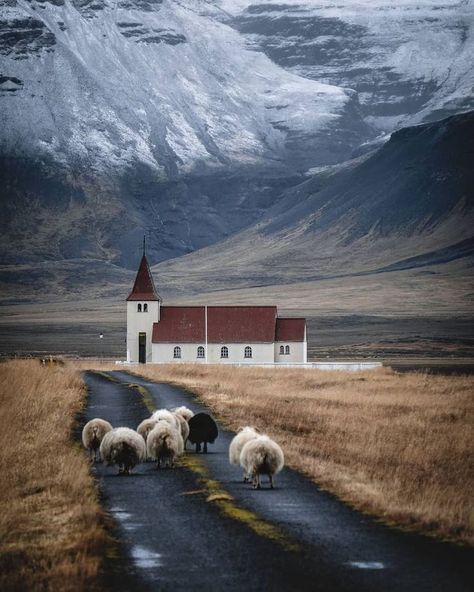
(159, 334)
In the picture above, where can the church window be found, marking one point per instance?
(287, 349)
(200, 352)
(177, 352)
(248, 352)
(224, 352)
(282, 350)
(139, 307)
(145, 307)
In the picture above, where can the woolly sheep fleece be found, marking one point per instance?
(123, 447)
(243, 436)
(93, 433)
(184, 412)
(164, 443)
(202, 429)
(165, 415)
(145, 427)
(262, 456)
(183, 426)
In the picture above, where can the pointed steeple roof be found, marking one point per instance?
(144, 288)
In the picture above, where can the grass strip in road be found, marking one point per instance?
(52, 535)
(214, 493)
(397, 446)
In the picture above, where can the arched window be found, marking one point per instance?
(282, 350)
(248, 352)
(145, 307)
(224, 352)
(139, 307)
(177, 352)
(200, 352)
(287, 349)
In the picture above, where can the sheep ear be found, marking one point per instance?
(239, 429)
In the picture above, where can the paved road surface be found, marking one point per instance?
(179, 536)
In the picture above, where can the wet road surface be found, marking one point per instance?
(199, 526)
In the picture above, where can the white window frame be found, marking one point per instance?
(201, 352)
(176, 352)
(248, 353)
(225, 352)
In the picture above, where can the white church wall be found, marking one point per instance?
(163, 353)
(297, 352)
(140, 322)
(261, 353)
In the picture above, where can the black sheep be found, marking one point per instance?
(202, 428)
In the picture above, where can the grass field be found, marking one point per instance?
(51, 526)
(397, 446)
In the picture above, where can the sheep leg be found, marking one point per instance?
(198, 447)
(256, 481)
(205, 447)
(271, 481)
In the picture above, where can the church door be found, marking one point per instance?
(142, 348)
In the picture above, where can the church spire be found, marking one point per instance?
(144, 287)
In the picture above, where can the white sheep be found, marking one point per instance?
(164, 444)
(243, 436)
(261, 456)
(183, 426)
(168, 416)
(92, 435)
(145, 427)
(123, 447)
(184, 412)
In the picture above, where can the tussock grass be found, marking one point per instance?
(399, 446)
(51, 533)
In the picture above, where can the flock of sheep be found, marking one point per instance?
(163, 437)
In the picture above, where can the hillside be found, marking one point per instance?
(409, 204)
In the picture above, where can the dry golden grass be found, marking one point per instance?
(51, 532)
(398, 446)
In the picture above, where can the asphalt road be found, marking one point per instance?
(199, 527)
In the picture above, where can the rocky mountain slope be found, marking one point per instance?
(409, 61)
(406, 205)
(188, 119)
(120, 116)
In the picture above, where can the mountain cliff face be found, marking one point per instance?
(409, 61)
(119, 116)
(192, 120)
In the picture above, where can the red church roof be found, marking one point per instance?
(241, 324)
(180, 324)
(144, 288)
(225, 324)
(290, 329)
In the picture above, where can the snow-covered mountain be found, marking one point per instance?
(189, 118)
(409, 60)
(124, 115)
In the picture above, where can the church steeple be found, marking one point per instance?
(144, 287)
